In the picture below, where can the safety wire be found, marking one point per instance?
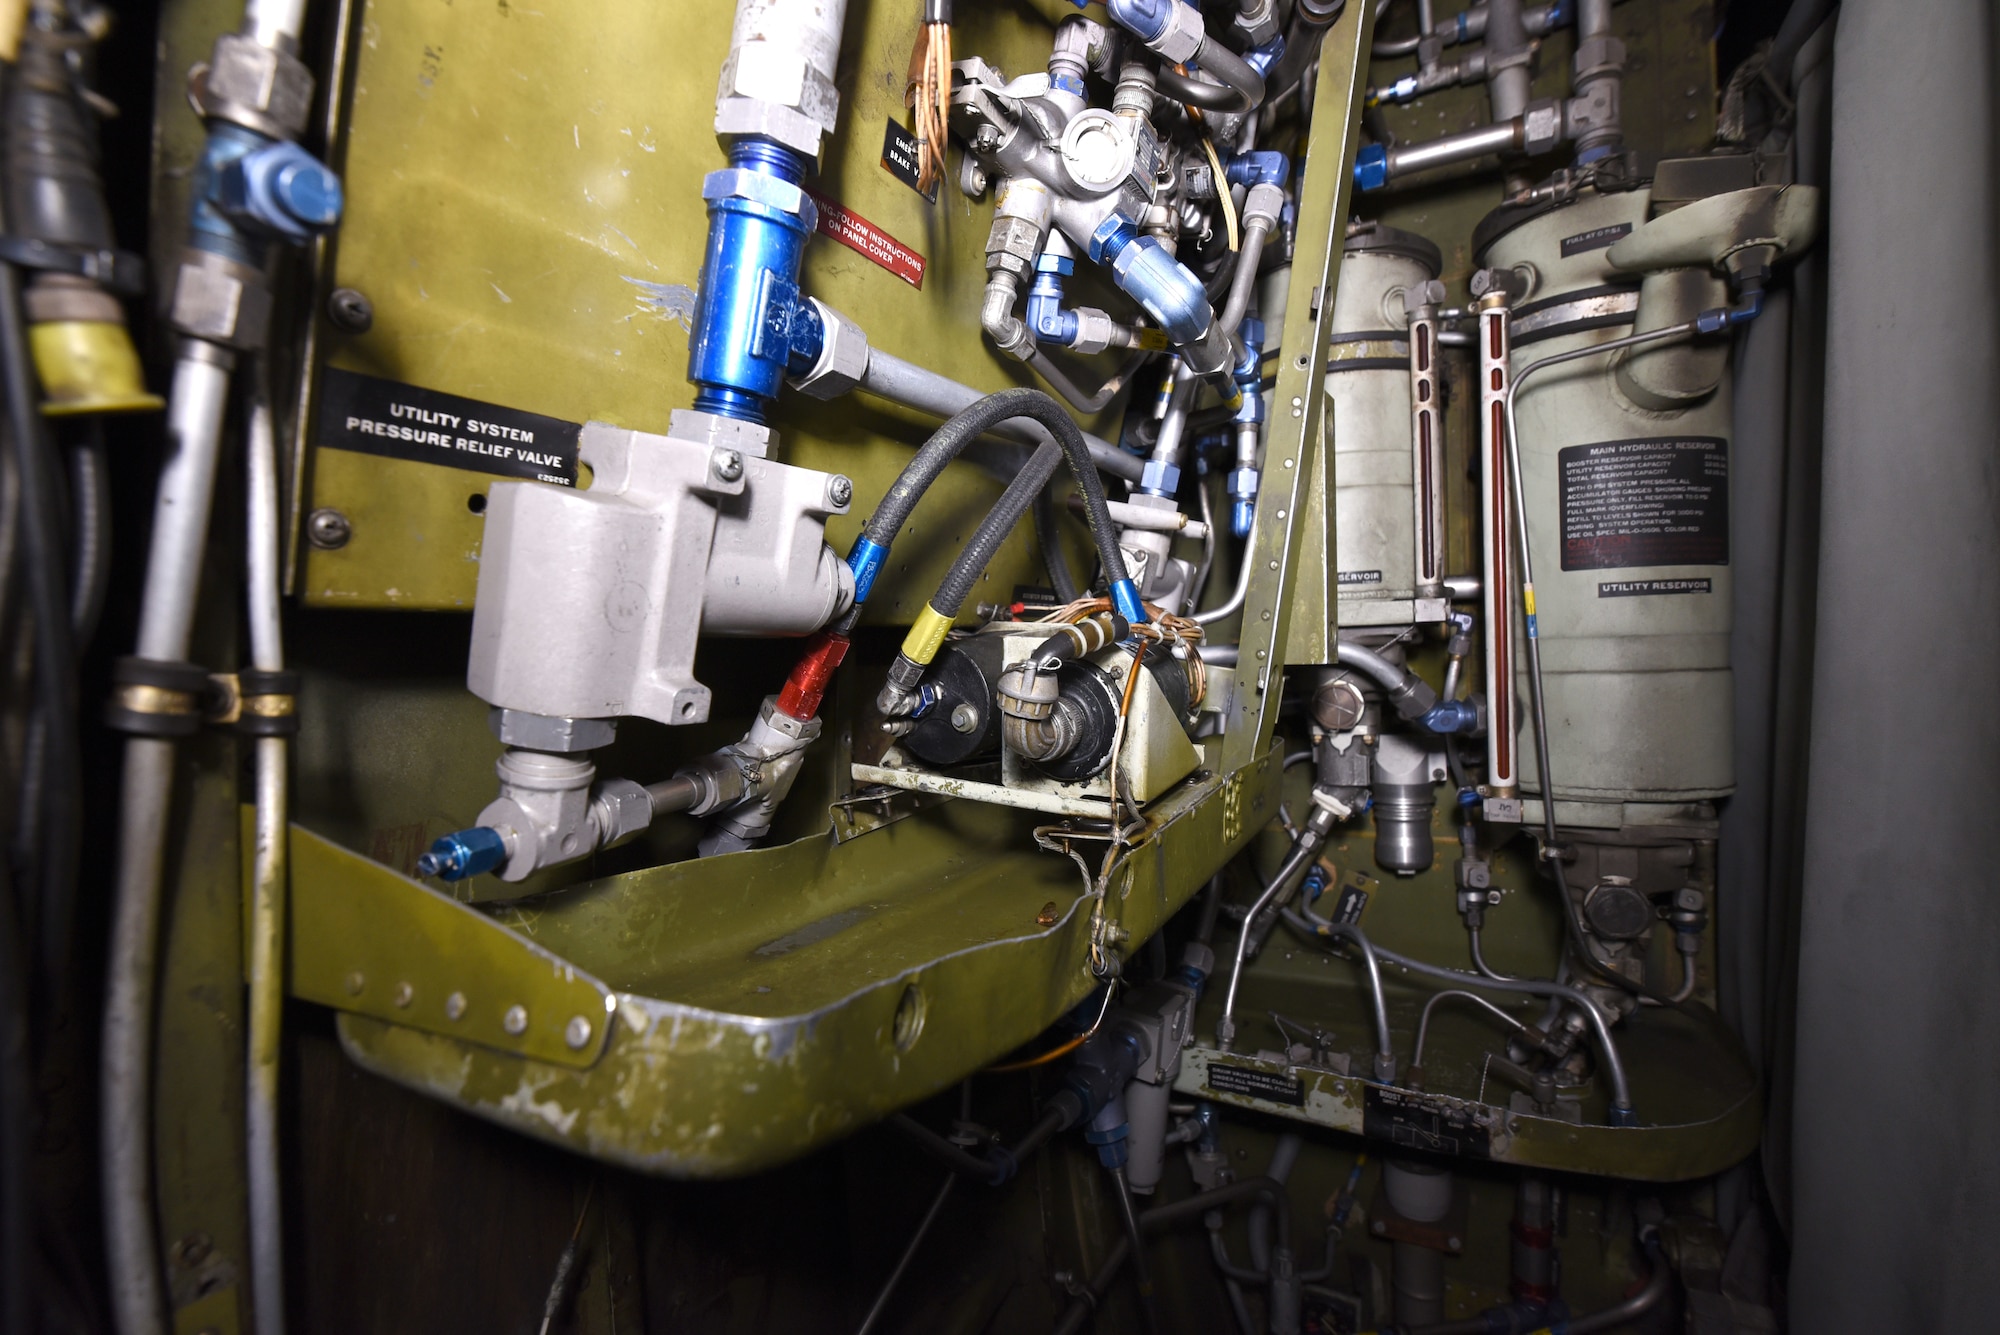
(930, 92)
(1062, 1050)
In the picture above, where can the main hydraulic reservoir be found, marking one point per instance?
(1627, 498)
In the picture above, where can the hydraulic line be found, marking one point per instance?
(90, 499)
(1002, 1161)
(909, 1253)
(1233, 604)
(38, 475)
(166, 622)
(1048, 538)
(1149, 1305)
(1621, 1095)
(1304, 849)
(267, 888)
(1032, 481)
(1450, 994)
(1603, 1319)
(1078, 1313)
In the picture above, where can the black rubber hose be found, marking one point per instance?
(1241, 90)
(981, 416)
(54, 651)
(90, 499)
(1019, 497)
(17, 1240)
(1048, 536)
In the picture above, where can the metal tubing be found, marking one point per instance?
(1243, 284)
(909, 1253)
(1506, 59)
(1424, 1020)
(166, 621)
(1149, 1306)
(911, 386)
(1503, 136)
(1614, 1067)
(267, 892)
(275, 24)
(1303, 850)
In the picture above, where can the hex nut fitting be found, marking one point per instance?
(255, 86)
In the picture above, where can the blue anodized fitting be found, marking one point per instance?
(1047, 320)
(750, 324)
(1145, 272)
(250, 189)
(1371, 168)
(1260, 167)
(1249, 376)
(463, 853)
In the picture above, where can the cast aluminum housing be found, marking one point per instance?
(590, 602)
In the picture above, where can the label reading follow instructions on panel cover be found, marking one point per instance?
(397, 421)
(1661, 501)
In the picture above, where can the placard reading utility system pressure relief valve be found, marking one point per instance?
(1656, 502)
(375, 416)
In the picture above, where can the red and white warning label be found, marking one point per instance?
(855, 232)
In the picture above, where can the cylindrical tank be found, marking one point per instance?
(1628, 517)
(1368, 423)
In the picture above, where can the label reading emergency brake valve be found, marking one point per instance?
(375, 416)
(1661, 501)
(902, 160)
(1250, 1082)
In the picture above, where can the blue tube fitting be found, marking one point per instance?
(1170, 294)
(1263, 167)
(1747, 308)
(866, 562)
(210, 226)
(751, 326)
(1047, 320)
(1371, 168)
(1125, 601)
(1144, 19)
(1261, 58)
(1159, 478)
(279, 190)
(1448, 716)
(463, 853)
(1243, 509)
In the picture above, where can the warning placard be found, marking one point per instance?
(855, 232)
(1661, 501)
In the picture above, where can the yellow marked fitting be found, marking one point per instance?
(1153, 340)
(89, 366)
(921, 644)
(1528, 601)
(1234, 401)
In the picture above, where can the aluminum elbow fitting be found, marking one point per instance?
(1172, 29)
(996, 316)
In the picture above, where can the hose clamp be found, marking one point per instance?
(119, 270)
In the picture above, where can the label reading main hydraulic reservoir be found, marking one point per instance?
(1661, 501)
(1597, 238)
(1251, 1082)
(397, 421)
(1414, 1122)
(855, 232)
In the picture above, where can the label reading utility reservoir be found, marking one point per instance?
(1253, 1083)
(1359, 579)
(1597, 238)
(397, 421)
(1653, 588)
(1662, 501)
(855, 232)
(902, 160)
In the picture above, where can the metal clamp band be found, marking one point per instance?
(118, 270)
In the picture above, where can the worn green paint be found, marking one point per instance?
(524, 212)
(441, 956)
(770, 1001)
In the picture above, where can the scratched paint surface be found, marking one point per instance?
(525, 215)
